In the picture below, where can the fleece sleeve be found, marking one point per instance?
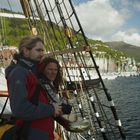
(21, 107)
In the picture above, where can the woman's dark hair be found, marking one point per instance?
(58, 81)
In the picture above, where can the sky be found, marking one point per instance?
(111, 20)
(106, 20)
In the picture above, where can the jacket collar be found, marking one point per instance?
(28, 63)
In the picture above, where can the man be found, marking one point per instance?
(22, 82)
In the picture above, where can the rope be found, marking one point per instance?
(60, 32)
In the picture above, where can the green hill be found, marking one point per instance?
(18, 28)
(14, 29)
(127, 49)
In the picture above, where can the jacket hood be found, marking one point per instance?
(24, 62)
(9, 69)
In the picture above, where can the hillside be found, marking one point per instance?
(16, 28)
(128, 49)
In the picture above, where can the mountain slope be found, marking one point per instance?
(128, 49)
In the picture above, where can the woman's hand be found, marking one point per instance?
(58, 109)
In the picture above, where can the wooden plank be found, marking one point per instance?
(77, 67)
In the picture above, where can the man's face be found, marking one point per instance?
(36, 53)
(51, 71)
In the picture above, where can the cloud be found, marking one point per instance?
(129, 37)
(104, 20)
(99, 18)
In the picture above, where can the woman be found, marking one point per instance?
(51, 79)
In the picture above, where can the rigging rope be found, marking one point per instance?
(60, 27)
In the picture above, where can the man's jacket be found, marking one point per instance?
(22, 81)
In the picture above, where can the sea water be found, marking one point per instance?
(125, 92)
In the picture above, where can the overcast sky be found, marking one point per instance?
(107, 20)
(111, 20)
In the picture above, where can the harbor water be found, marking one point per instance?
(125, 92)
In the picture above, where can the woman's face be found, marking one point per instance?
(51, 71)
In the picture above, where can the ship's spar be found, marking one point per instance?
(57, 22)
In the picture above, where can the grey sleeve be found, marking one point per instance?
(21, 107)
